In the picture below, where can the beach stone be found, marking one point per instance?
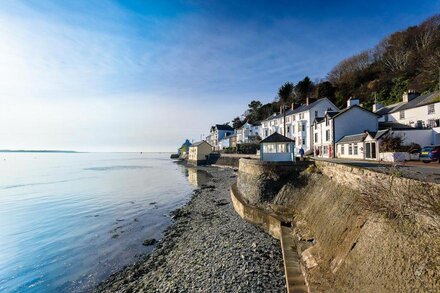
(148, 242)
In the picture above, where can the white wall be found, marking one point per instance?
(354, 121)
(436, 135)
(420, 136)
(414, 114)
(346, 155)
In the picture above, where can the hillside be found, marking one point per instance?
(407, 59)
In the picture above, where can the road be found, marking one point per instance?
(412, 169)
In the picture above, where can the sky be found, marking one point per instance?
(101, 75)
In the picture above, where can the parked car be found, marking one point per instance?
(430, 154)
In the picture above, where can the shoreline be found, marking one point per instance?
(208, 248)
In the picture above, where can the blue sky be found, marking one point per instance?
(145, 75)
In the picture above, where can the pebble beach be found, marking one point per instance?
(208, 248)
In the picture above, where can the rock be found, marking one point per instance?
(148, 242)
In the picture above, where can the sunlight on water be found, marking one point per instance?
(69, 220)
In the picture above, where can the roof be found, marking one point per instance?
(377, 134)
(353, 138)
(419, 101)
(299, 109)
(256, 123)
(332, 114)
(199, 143)
(276, 137)
(223, 127)
(352, 107)
(393, 125)
(319, 119)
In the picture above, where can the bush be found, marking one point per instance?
(230, 150)
(248, 148)
(391, 143)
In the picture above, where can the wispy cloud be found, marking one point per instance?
(100, 75)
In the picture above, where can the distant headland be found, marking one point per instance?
(37, 151)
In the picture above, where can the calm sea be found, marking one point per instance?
(69, 220)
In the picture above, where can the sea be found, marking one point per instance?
(69, 220)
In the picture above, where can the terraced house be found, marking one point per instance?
(337, 126)
(299, 121)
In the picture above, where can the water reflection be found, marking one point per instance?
(198, 177)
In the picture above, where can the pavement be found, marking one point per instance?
(411, 169)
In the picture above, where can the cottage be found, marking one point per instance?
(199, 153)
(351, 146)
(334, 126)
(418, 111)
(277, 148)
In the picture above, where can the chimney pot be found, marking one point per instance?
(307, 101)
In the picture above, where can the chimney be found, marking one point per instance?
(293, 106)
(281, 109)
(307, 101)
(377, 106)
(352, 101)
(409, 95)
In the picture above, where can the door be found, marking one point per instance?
(373, 150)
(367, 150)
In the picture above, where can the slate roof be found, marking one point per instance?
(223, 127)
(299, 109)
(276, 137)
(353, 138)
(199, 143)
(319, 119)
(348, 109)
(414, 103)
(377, 134)
(393, 125)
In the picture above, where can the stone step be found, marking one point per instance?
(294, 278)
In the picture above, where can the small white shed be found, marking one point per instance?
(277, 148)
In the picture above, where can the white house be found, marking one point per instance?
(414, 110)
(199, 152)
(334, 126)
(217, 133)
(277, 148)
(298, 123)
(249, 133)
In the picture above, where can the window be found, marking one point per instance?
(316, 125)
(303, 127)
(304, 141)
(433, 123)
(355, 149)
(431, 109)
(288, 129)
(350, 149)
(342, 149)
(266, 132)
(316, 113)
(327, 121)
(325, 150)
(327, 135)
(402, 115)
(316, 137)
(288, 119)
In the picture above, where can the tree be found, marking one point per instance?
(286, 93)
(325, 89)
(237, 123)
(304, 88)
(253, 113)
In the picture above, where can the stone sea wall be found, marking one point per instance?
(260, 181)
(351, 240)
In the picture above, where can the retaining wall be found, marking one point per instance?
(260, 181)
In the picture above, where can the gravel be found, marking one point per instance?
(208, 248)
